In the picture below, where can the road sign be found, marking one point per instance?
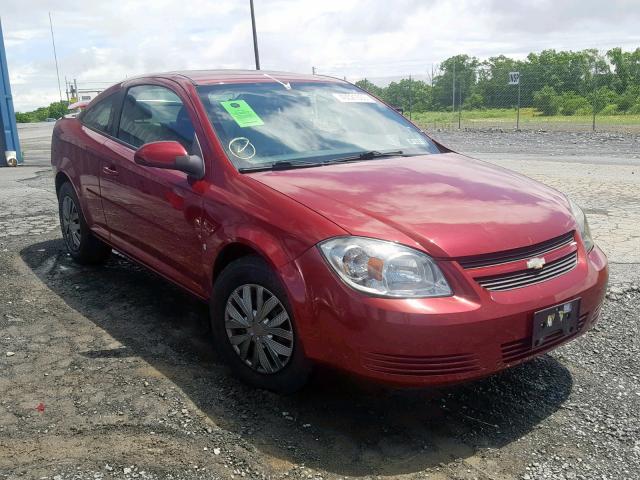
(514, 79)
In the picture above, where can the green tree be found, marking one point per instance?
(601, 98)
(574, 76)
(54, 110)
(460, 71)
(619, 60)
(421, 95)
(629, 98)
(567, 71)
(493, 77)
(369, 87)
(408, 94)
(545, 100)
(570, 103)
(475, 101)
(58, 109)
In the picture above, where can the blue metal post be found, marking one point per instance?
(9, 131)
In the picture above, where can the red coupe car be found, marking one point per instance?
(324, 227)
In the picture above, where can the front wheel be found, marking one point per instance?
(254, 329)
(81, 244)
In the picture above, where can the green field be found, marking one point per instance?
(529, 119)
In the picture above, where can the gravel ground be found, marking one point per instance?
(108, 373)
(606, 147)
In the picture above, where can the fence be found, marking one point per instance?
(577, 91)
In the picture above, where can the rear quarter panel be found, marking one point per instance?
(75, 151)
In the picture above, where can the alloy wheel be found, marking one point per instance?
(259, 328)
(71, 223)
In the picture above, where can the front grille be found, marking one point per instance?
(423, 365)
(492, 259)
(519, 349)
(523, 278)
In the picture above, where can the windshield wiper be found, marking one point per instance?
(368, 155)
(280, 165)
(288, 165)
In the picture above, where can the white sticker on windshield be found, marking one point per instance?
(416, 141)
(354, 98)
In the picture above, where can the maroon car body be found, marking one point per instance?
(478, 222)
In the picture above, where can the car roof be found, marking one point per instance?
(209, 77)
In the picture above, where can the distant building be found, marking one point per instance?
(86, 95)
(78, 94)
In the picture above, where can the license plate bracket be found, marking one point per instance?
(550, 321)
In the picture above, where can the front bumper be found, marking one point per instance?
(417, 342)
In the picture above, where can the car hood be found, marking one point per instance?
(448, 204)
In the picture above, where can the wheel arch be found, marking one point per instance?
(266, 251)
(231, 252)
(61, 179)
(243, 240)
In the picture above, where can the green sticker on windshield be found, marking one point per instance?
(242, 113)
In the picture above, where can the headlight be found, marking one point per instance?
(384, 268)
(583, 225)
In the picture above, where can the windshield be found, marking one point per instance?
(260, 124)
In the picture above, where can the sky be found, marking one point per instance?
(102, 42)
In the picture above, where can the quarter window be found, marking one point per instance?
(97, 116)
(151, 114)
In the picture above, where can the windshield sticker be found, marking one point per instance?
(242, 148)
(354, 98)
(416, 141)
(242, 113)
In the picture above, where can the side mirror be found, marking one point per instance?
(170, 156)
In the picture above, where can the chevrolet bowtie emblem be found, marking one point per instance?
(536, 263)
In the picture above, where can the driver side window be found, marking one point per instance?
(151, 114)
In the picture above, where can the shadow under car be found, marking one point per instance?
(338, 424)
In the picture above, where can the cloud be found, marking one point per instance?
(108, 41)
(554, 17)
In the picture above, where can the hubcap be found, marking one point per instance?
(70, 223)
(259, 328)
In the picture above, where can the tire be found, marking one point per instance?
(82, 245)
(281, 366)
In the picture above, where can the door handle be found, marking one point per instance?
(108, 170)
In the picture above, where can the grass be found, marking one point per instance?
(529, 118)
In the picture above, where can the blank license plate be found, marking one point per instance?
(561, 318)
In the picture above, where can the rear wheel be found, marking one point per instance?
(81, 244)
(254, 329)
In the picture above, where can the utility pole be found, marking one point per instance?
(75, 87)
(55, 56)
(66, 88)
(313, 70)
(255, 36)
